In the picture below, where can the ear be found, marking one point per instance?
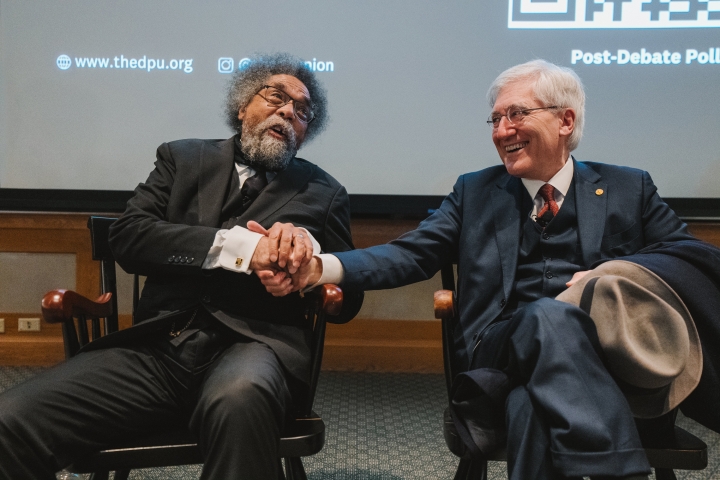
(567, 124)
(241, 113)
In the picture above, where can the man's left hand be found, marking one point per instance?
(288, 246)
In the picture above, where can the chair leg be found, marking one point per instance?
(121, 475)
(665, 474)
(471, 470)
(462, 469)
(294, 469)
(281, 472)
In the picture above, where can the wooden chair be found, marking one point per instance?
(679, 451)
(303, 437)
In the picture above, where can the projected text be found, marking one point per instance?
(64, 62)
(227, 65)
(711, 56)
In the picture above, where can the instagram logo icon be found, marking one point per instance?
(225, 65)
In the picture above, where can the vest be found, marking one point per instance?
(548, 257)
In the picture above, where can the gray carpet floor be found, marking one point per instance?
(382, 426)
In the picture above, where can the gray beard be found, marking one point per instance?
(265, 151)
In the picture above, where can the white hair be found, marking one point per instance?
(247, 82)
(553, 85)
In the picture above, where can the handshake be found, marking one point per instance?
(283, 259)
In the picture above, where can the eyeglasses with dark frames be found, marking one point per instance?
(276, 98)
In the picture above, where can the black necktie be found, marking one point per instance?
(240, 198)
(252, 187)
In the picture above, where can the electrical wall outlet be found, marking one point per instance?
(28, 324)
(2, 325)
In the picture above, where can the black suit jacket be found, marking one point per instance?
(170, 224)
(478, 226)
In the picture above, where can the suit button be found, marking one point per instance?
(502, 302)
(171, 258)
(549, 274)
(191, 259)
(546, 236)
(206, 298)
(183, 260)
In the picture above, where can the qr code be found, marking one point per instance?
(613, 13)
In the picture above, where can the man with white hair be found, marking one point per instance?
(520, 233)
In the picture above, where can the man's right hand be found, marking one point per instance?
(278, 284)
(307, 274)
(281, 283)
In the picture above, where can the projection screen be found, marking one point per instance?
(89, 89)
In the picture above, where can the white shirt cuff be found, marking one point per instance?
(332, 269)
(316, 246)
(232, 250)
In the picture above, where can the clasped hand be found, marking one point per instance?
(283, 259)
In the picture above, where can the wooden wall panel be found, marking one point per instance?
(365, 344)
(38, 233)
(369, 345)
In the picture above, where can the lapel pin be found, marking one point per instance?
(599, 192)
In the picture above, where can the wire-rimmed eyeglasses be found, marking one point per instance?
(515, 115)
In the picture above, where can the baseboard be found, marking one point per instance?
(40, 351)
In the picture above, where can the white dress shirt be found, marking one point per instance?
(561, 181)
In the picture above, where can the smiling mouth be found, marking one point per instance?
(515, 147)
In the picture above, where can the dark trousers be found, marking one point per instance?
(232, 394)
(566, 417)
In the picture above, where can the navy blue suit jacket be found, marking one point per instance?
(479, 224)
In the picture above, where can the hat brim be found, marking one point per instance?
(654, 403)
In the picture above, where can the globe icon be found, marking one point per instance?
(64, 62)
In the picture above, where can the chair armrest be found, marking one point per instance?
(330, 299)
(444, 304)
(445, 310)
(62, 305)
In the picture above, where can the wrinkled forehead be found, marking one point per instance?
(292, 86)
(520, 93)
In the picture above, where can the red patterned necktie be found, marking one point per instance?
(547, 192)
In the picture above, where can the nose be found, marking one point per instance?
(504, 128)
(287, 111)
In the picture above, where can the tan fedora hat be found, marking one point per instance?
(650, 342)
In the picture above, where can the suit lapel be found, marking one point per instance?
(507, 213)
(284, 186)
(591, 204)
(217, 163)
